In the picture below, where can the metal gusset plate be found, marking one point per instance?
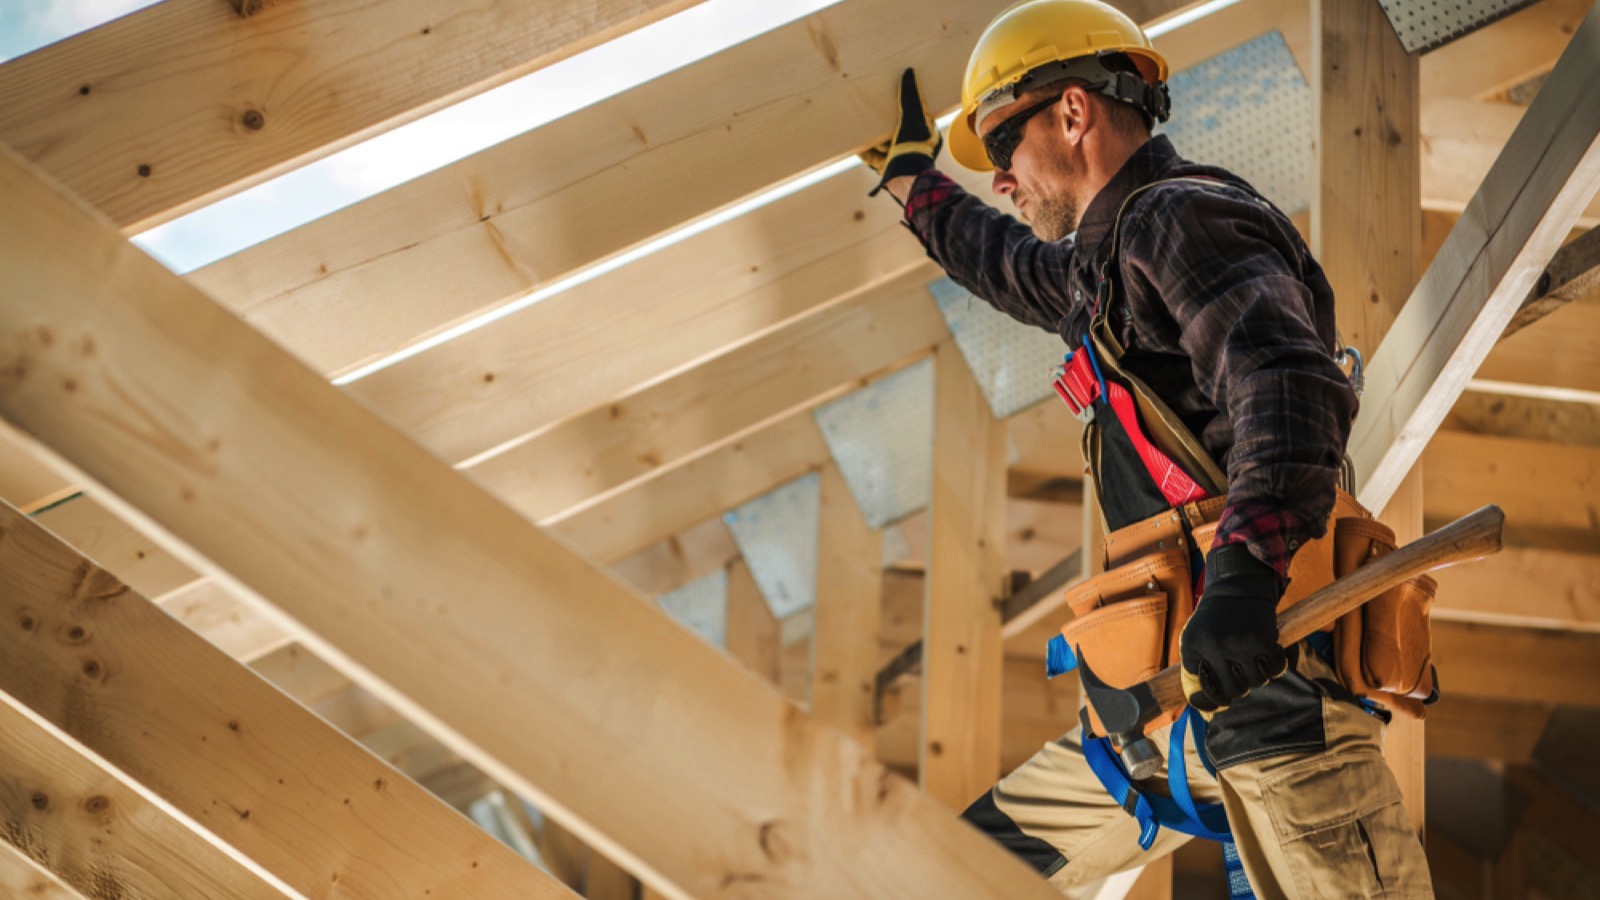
(777, 536)
(1424, 25)
(701, 606)
(881, 437)
(1011, 361)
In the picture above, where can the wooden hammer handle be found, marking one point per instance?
(1470, 537)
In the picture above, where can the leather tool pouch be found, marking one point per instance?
(1384, 650)
(1127, 620)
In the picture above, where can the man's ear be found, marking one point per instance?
(1076, 114)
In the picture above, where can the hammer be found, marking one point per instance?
(1124, 711)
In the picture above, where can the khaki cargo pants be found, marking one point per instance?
(1327, 824)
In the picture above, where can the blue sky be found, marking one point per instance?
(436, 140)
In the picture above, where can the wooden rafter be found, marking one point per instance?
(1525, 207)
(108, 667)
(182, 103)
(200, 424)
(1573, 276)
(98, 830)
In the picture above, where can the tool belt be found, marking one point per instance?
(1162, 495)
(1128, 619)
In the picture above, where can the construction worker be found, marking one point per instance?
(1178, 285)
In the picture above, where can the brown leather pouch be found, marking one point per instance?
(1127, 619)
(1383, 650)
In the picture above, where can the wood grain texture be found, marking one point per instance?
(560, 471)
(470, 236)
(96, 830)
(962, 652)
(184, 102)
(21, 876)
(1524, 209)
(106, 666)
(650, 744)
(849, 600)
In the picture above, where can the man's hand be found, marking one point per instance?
(1230, 645)
(914, 144)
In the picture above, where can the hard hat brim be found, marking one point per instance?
(967, 148)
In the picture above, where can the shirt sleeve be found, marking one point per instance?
(989, 253)
(1231, 272)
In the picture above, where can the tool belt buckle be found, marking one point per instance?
(1082, 411)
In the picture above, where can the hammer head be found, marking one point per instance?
(1123, 712)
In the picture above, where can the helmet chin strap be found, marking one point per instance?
(1152, 99)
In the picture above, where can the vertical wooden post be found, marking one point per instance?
(959, 755)
(1403, 741)
(844, 662)
(753, 632)
(1367, 225)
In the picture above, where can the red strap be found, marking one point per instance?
(1174, 483)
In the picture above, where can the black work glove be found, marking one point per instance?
(1230, 645)
(915, 142)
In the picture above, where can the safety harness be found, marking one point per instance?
(1149, 472)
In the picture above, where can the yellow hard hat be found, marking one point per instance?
(1042, 41)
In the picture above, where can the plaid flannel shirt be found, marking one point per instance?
(1221, 311)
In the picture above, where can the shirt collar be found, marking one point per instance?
(1149, 162)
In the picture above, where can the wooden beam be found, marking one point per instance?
(380, 274)
(236, 627)
(25, 482)
(21, 876)
(103, 664)
(1463, 138)
(1573, 276)
(662, 314)
(1526, 418)
(182, 103)
(1366, 218)
(844, 642)
(1527, 586)
(219, 436)
(677, 560)
(137, 560)
(753, 633)
(1491, 259)
(1506, 53)
(1557, 354)
(97, 830)
(1546, 489)
(560, 471)
(1517, 664)
(962, 656)
(736, 472)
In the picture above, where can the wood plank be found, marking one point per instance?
(25, 482)
(235, 626)
(1528, 586)
(711, 293)
(103, 664)
(1573, 276)
(844, 642)
(1462, 140)
(138, 561)
(183, 102)
(21, 876)
(1488, 264)
(1366, 219)
(672, 563)
(97, 830)
(1545, 489)
(474, 235)
(734, 473)
(1505, 53)
(1557, 353)
(1517, 664)
(220, 436)
(959, 755)
(560, 471)
(1526, 418)
(754, 638)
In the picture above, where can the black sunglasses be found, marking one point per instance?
(1007, 136)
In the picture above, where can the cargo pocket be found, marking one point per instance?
(1342, 828)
